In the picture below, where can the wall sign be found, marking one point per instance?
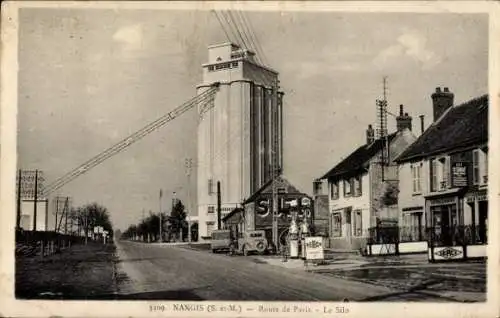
(448, 253)
(459, 174)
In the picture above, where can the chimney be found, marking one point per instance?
(403, 121)
(422, 126)
(441, 101)
(370, 135)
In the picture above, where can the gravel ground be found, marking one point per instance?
(81, 272)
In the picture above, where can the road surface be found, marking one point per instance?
(147, 271)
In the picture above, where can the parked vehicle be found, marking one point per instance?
(250, 242)
(220, 241)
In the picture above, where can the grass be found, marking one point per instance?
(80, 272)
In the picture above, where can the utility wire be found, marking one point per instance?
(83, 168)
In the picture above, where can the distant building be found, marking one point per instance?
(256, 211)
(362, 192)
(445, 174)
(234, 136)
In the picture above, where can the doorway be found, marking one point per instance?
(483, 221)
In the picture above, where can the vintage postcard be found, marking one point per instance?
(250, 159)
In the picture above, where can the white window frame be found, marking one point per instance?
(434, 174)
(476, 164)
(349, 183)
(444, 169)
(357, 186)
(355, 225)
(334, 190)
(340, 232)
(416, 173)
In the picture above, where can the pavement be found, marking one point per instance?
(189, 272)
(412, 276)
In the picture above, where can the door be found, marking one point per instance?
(348, 223)
(446, 226)
(483, 221)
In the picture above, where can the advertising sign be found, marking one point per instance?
(28, 178)
(286, 205)
(459, 174)
(448, 253)
(314, 247)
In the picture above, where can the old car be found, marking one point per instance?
(250, 242)
(220, 241)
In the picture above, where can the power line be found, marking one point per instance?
(123, 144)
(257, 43)
(222, 25)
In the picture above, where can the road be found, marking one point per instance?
(147, 271)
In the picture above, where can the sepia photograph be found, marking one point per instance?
(201, 157)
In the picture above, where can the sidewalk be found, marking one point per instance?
(80, 272)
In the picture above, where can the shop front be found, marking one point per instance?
(457, 226)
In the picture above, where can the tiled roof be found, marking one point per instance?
(460, 127)
(357, 159)
(266, 188)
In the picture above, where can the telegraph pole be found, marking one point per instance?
(161, 221)
(18, 217)
(36, 199)
(219, 221)
(273, 131)
(189, 163)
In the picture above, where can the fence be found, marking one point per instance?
(395, 240)
(457, 235)
(43, 243)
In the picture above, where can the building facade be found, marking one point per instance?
(235, 135)
(361, 190)
(448, 169)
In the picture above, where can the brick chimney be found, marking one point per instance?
(370, 135)
(403, 121)
(441, 101)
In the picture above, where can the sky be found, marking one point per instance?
(90, 77)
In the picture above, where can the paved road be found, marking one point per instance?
(169, 272)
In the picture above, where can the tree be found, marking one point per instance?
(177, 221)
(92, 215)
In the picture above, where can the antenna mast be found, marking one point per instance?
(382, 127)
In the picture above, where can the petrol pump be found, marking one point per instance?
(293, 238)
(304, 232)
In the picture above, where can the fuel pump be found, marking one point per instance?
(293, 238)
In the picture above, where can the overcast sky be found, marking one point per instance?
(88, 78)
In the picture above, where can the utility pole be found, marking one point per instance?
(273, 131)
(219, 208)
(189, 163)
(173, 206)
(36, 199)
(66, 216)
(18, 217)
(161, 220)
